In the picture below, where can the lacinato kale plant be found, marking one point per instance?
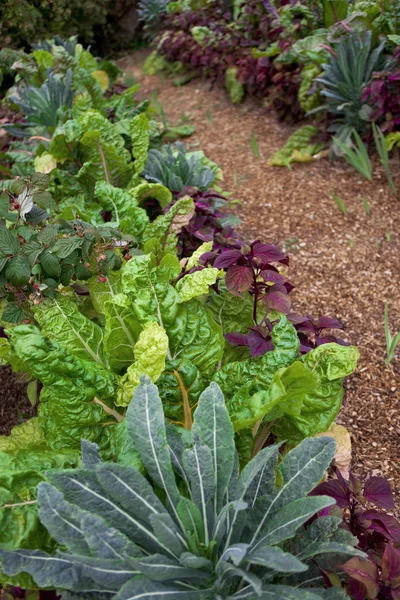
(193, 527)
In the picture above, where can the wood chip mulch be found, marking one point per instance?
(342, 265)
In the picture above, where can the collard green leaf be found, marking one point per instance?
(61, 519)
(48, 571)
(275, 558)
(199, 468)
(105, 541)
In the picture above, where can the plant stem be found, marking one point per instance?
(18, 504)
(262, 437)
(103, 160)
(108, 410)
(188, 424)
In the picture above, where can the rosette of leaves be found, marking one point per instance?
(212, 533)
(348, 71)
(174, 168)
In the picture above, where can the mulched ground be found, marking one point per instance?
(342, 265)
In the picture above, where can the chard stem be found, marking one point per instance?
(108, 410)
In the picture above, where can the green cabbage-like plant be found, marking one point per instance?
(192, 526)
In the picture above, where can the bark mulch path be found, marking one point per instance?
(342, 265)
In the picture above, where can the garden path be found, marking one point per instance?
(342, 265)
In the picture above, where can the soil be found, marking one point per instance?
(15, 407)
(344, 265)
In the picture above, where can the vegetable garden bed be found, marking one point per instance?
(342, 265)
(186, 399)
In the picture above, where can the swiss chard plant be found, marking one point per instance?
(187, 523)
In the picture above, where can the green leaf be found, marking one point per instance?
(213, 427)
(145, 420)
(48, 235)
(150, 353)
(50, 263)
(167, 226)
(121, 332)
(60, 319)
(140, 141)
(18, 270)
(330, 363)
(9, 243)
(240, 381)
(12, 313)
(64, 246)
(196, 284)
(180, 386)
(151, 190)
(275, 558)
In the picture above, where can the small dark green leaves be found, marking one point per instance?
(12, 313)
(48, 235)
(9, 243)
(50, 263)
(18, 270)
(40, 180)
(65, 246)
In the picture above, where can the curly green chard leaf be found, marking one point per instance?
(150, 353)
(166, 227)
(330, 364)
(253, 375)
(76, 392)
(60, 319)
(197, 283)
(121, 332)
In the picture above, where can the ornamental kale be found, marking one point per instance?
(212, 532)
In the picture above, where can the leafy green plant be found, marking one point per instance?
(42, 105)
(383, 152)
(357, 155)
(212, 533)
(391, 342)
(349, 70)
(298, 148)
(175, 168)
(233, 85)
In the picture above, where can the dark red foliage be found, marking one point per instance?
(210, 223)
(383, 95)
(376, 531)
(229, 46)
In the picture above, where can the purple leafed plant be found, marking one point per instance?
(251, 269)
(378, 576)
(383, 95)
(210, 223)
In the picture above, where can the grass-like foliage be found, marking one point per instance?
(188, 524)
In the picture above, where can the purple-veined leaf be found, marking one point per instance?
(384, 524)
(259, 341)
(236, 339)
(364, 571)
(238, 279)
(267, 253)
(378, 491)
(277, 301)
(227, 259)
(334, 489)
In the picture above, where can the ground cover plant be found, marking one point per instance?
(117, 260)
